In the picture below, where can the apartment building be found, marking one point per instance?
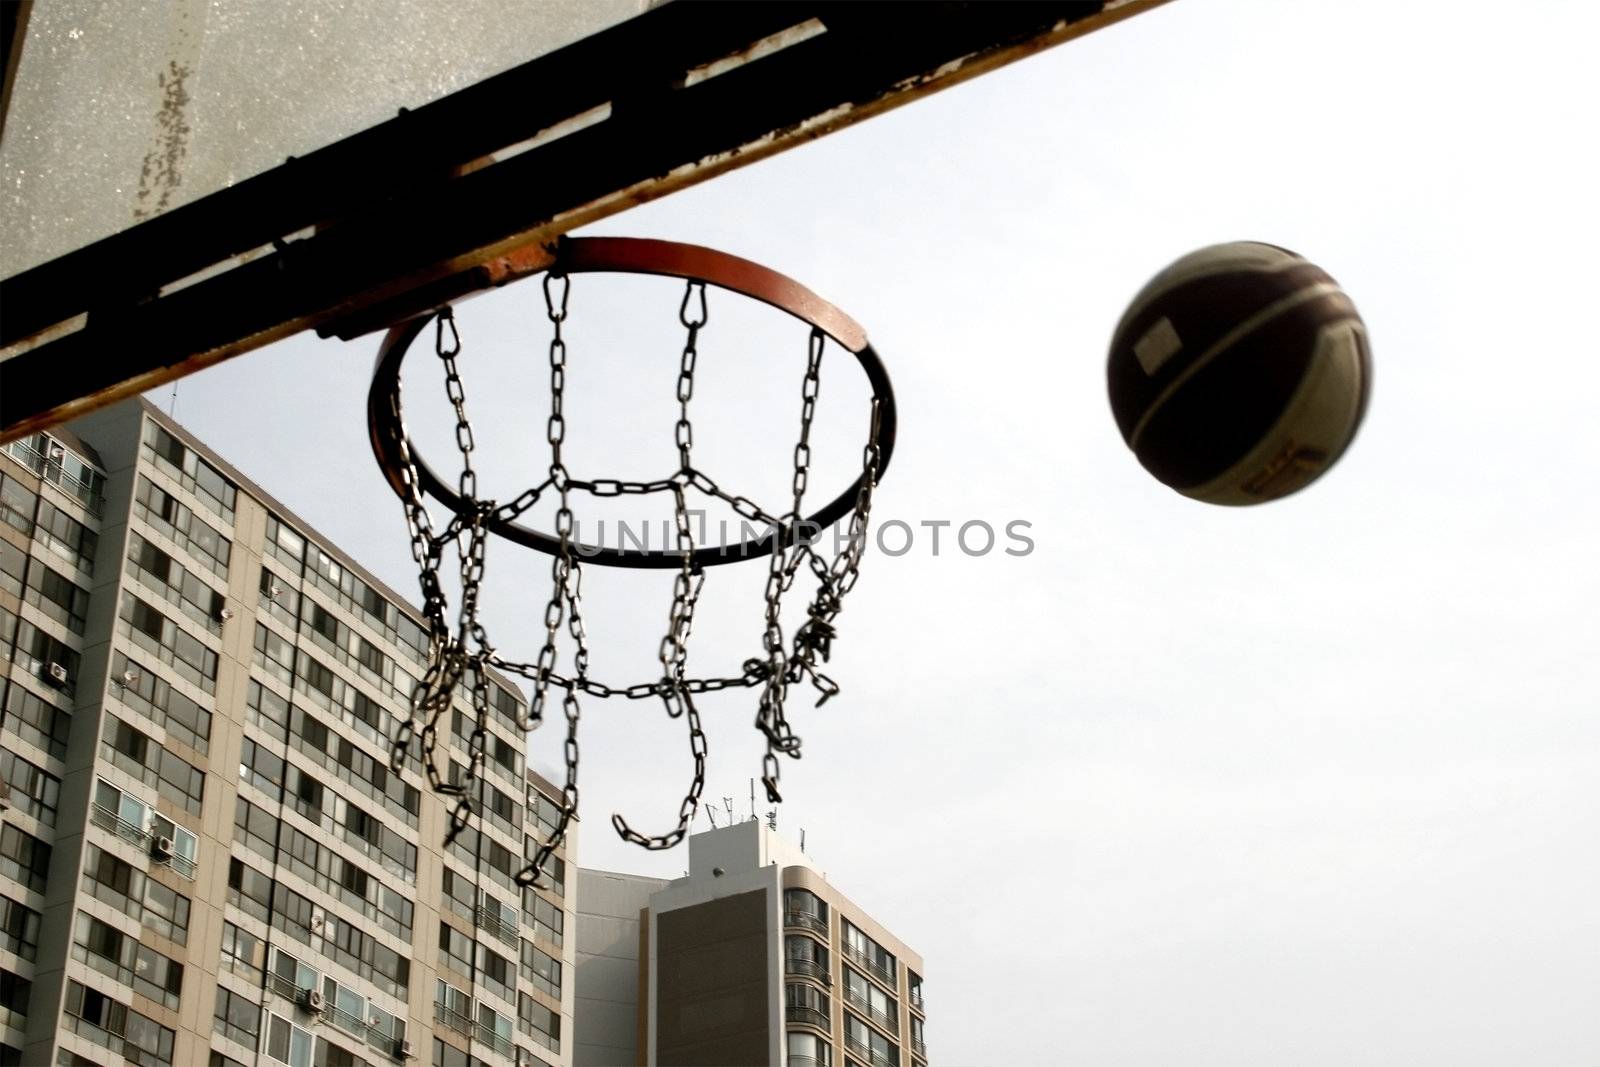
(205, 860)
(753, 958)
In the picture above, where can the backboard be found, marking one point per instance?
(187, 181)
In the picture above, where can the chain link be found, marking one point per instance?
(465, 655)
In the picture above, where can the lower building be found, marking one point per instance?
(753, 958)
(205, 858)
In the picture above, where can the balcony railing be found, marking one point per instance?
(879, 971)
(877, 1057)
(107, 819)
(804, 920)
(492, 921)
(919, 1048)
(809, 1016)
(495, 1040)
(806, 968)
(915, 1000)
(885, 1019)
(453, 1019)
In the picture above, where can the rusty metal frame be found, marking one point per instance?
(415, 212)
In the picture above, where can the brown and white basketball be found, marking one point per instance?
(1239, 374)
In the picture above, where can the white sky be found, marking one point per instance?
(1311, 783)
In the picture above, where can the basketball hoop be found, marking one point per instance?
(464, 655)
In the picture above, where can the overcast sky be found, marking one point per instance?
(1311, 783)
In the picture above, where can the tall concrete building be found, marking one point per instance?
(753, 958)
(205, 860)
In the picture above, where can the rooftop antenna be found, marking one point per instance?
(802, 839)
(727, 802)
(772, 819)
(752, 800)
(711, 816)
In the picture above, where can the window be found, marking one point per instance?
(166, 513)
(166, 911)
(175, 583)
(34, 792)
(159, 635)
(13, 568)
(67, 537)
(863, 949)
(506, 705)
(124, 958)
(868, 999)
(274, 654)
(864, 1040)
(34, 719)
(219, 1060)
(249, 890)
(17, 503)
(171, 775)
(14, 994)
(114, 881)
(809, 1050)
(57, 596)
(804, 956)
(545, 917)
(93, 1015)
(803, 908)
(539, 1022)
(287, 1043)
(23, 858)
(185, 845)
(214, 491)
(456, 946)
(918, 1044)
(261, 768)
(806, 1003)
(37, 650)
(542, 969)
(242, 951)
(19, 928)
(267, 706)
(283, 543)
(236, 1018)
(140, 688)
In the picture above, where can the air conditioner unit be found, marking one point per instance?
(129, 677)
(273, 591)
(402, 1050)
(374, 1022)
(311, 1000)
(317, 921)
(56, 673)
(162, 848)
(57, 453)
(224, 614)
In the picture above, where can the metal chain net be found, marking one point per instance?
(462, 656)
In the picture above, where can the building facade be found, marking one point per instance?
(205, 860)
(753, 958)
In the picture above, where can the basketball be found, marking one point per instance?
(1239, 374)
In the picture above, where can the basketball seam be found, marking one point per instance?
(1232, 337)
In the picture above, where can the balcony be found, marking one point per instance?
(495, 1040)
(888, 1020)
(490, 920)
(878, 970)
(107, 819)
(876, 1057)
(795, 1013)
(919, 1049)
(804, 920)
(806, 968)
(461, 1024)
(916, 1002)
